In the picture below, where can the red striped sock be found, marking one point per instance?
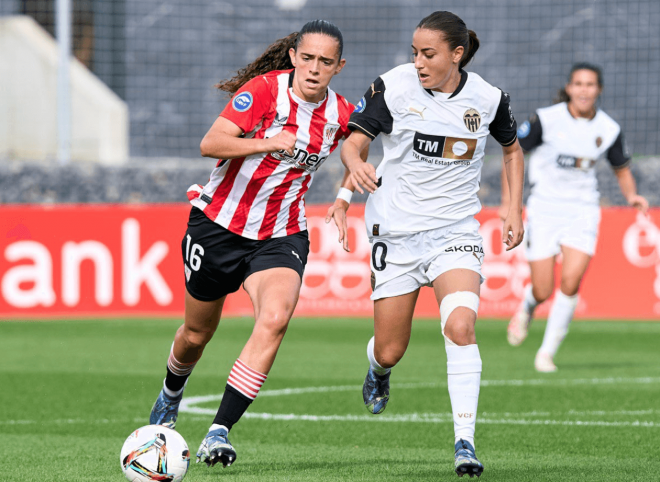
(246, 380)
(178, 368)
(177, 374)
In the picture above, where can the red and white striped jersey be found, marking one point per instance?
(262, 196)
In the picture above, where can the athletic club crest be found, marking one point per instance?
(472, 120)
(329, 132)
(599, 141)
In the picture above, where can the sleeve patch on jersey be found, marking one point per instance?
(524, 129)
(361, 105)
(242, 102)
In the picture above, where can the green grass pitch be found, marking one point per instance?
(72, 391)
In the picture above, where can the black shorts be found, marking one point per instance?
(217, 261)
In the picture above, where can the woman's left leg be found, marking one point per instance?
(274, 293)
(457, 292)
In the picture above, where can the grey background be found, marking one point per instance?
(164, 56)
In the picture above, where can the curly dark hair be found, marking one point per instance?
(276, 56)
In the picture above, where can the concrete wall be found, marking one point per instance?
(28, 101)
(151, 180)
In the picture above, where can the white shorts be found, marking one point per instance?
(550, 226)
(403, 264)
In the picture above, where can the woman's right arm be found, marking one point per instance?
(223, 141)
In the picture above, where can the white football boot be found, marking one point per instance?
(543, 363)
(518, 327)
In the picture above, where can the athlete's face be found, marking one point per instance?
(316, 62)
(583, 91)
(434, 60)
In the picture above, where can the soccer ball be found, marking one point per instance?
(155, 452)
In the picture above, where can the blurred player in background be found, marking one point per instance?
(434, 118)
(563, 213)
(247, 225)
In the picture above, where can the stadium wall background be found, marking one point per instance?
(163, 57)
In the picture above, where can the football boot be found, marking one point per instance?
(216, 447)
(376, 391)
(465, 460)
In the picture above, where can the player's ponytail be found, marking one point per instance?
(456, 33)
(562, 96)
(471, 50)
(276, 56)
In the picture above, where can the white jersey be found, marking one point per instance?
(433, 148)
(566, 149)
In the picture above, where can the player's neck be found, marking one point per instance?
(590, 114)
(311, 99)
(450, 84)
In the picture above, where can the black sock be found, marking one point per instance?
(175, 382)
(233, 406)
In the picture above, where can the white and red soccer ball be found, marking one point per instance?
(155, 453)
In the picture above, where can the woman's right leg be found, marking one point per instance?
(392, 326)
(200, 322)
(540, 289)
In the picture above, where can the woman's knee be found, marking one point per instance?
(460, 330)
(389, 355)
(274, 322)
(542, 293)
(195, 336)
(570, 285)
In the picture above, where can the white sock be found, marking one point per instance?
(375, 366)
(529, 303)
(172, 393)
(215, 426)
(463, 379)
(560, 316)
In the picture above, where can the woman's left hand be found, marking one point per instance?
(513, 231)
(639, 202)
(338, 212)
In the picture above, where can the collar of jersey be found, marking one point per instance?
(461, 84)
(303, 102)
(581, 119)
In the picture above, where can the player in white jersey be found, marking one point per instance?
(247, 225)
(567, 140)
(434, 118)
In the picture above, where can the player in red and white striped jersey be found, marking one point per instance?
(247, 225)
(260, 196)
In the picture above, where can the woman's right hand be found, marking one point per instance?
(513, 230)
(283, 141)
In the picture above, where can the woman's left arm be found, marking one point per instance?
(629, 189)
(338, 210)
(514, 166)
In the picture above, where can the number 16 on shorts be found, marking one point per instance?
(194, 255)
